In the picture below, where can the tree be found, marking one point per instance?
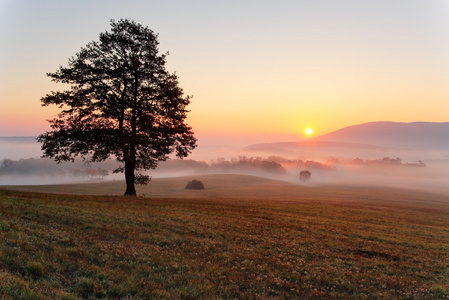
(103, 172)
(304, 175)
(122, 103)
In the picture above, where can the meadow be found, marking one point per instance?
(242, 237)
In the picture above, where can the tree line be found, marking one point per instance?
(385, 161)
(272, 164)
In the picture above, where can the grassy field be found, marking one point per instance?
(242, 237)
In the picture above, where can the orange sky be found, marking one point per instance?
(258, 70)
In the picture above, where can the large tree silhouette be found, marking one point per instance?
(122, 103)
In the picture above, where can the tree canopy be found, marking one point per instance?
(122, 103)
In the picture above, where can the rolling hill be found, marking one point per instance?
(243, 237)
(370, 140)
(416, 135)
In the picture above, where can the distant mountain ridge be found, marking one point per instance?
(415, 135)
(312, 144)
(410, 141)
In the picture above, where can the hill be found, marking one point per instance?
(369, 140)
(217, 186)
(286, 242)
(417, 135)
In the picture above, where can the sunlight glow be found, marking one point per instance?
(309, 131)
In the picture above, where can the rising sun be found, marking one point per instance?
(309, 131)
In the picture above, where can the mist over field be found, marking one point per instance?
(19, 147)
(345, 163)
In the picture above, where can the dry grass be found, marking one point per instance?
(261, 239)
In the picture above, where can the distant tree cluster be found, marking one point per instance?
(386, 161)
(299, 164)
(271, 164)
(241, 163)
(190, 165)
(238, 164)
(248, 163)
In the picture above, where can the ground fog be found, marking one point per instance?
(329, 165)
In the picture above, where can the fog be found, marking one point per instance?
(329, 164)
(19, 147)
(430, 178)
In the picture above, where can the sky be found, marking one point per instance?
(258, 71)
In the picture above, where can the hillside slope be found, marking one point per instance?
(320, 244)
(419, 135)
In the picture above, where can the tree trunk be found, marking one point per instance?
(129, 178)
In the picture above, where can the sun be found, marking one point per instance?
(309, 131)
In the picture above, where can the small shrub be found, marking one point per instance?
(195, 185)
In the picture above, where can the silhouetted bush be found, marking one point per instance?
(195, 185)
